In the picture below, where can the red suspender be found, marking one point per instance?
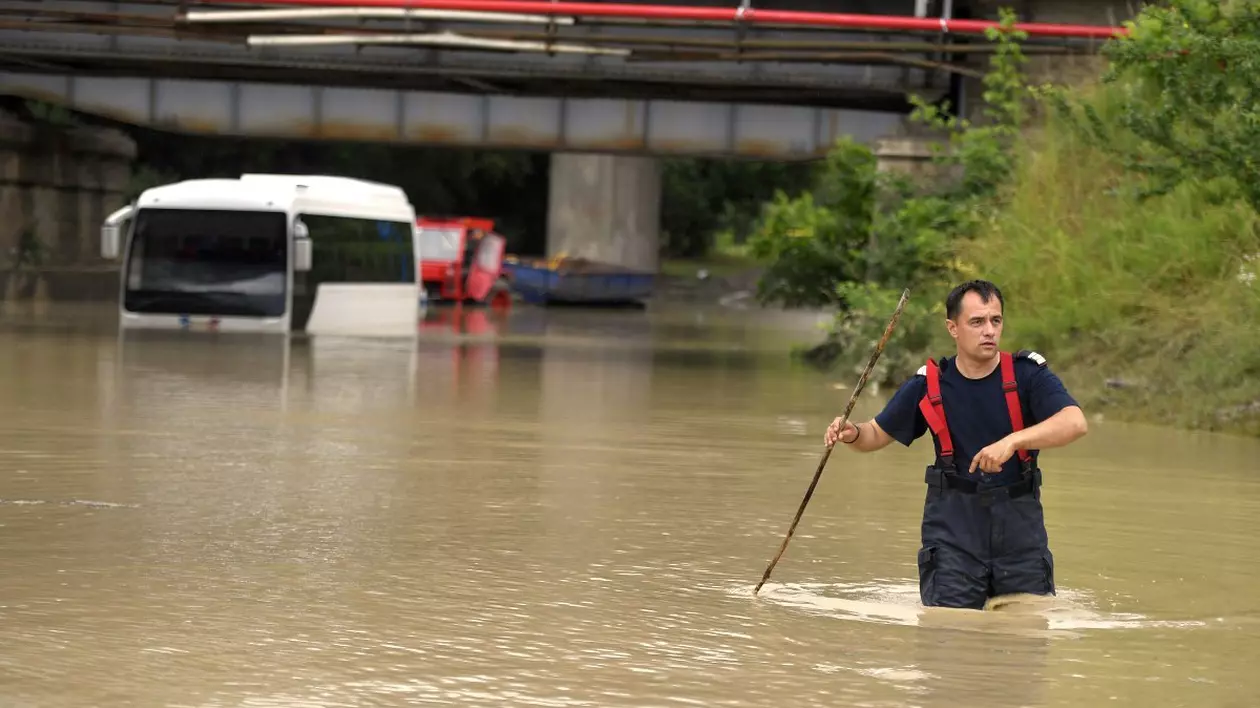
(934, 412)
(1012, 400)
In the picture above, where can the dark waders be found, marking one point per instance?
(979, 540)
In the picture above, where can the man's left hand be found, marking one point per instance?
(991, 459)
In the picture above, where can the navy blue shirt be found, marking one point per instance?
(975, 410)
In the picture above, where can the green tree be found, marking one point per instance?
(818, 239)
(1178, 105)
(1188, 107)
(860, 236)
(701, 197)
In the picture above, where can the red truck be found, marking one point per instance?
(461, 260)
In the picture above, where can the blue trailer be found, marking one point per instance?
(579, 283)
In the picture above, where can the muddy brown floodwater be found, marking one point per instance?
(563, 509)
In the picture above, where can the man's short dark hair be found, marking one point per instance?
(983, 288)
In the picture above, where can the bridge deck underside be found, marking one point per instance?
(149, 62)
(612, 125)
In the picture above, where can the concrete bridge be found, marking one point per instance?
(605, 87)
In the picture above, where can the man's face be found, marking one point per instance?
(978, 328)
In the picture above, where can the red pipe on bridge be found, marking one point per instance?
(750, 15)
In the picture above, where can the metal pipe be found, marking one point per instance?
(672, 42)
(895, 23)
(710, 49)
(321, 13)
(438, 39)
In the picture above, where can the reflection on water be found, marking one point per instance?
(560, 509)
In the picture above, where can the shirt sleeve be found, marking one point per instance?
(1047, 395)
(901, 417)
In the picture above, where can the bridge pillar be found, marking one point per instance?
(910, 155)
(605, 208)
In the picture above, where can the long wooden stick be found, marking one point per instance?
(879, 349)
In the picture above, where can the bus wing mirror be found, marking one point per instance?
(112, 230)
(109, 242)
(302, 254)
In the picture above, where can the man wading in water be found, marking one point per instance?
(983, 530)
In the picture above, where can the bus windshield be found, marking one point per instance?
(207, 262)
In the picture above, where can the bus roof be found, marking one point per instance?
(294, 194)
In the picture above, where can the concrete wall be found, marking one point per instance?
(1060, 69)
(605, 208)
(911, 156)
(1082, 12)
(57, 184)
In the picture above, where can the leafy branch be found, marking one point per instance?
(862, 234)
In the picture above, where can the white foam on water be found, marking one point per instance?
(897, 603)
(72, 502)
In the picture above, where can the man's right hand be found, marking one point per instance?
(837, 434)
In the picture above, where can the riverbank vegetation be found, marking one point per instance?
(1119, 217)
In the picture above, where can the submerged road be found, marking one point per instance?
(563, 510)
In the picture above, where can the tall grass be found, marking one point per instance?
(1146, 294)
